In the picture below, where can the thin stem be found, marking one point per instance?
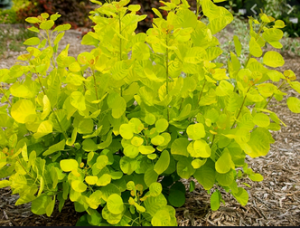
(167, 66)
(18, 159)
(259, 31)
(7, 98)
(212, 141)
(49, 41)
(238, 115)
(202, 91)
(95, 86)
(270, 98)
(57, 120)
(120, 30)
(167, 74)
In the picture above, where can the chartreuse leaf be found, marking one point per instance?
(197, 163)
(91, 180)
(46, 107)
(150, 118)
(294, 104)
(23, 111)
(154, 203)
(259, 143)
(56, 147)
(104, 180)
(4, 183)
(137, 125)
(179, 147)
(237, 45)
(196, 131)
(155, 189)
(126, 131)
(67, 165)
(161, 125)
(205, 175)
(115, 204)
(255, 49)
(89, 145)
(273, 59)
(140, 51)
(2, 160)
(61, 28)
(39, 205)
(94, 200)
(78, 186)
(184, 168)
(241, 196)
(111, 218)
(94, 217)
(150, 176)
(158, 140)
(146, 149)
(162, 163)
(261, 120)
(44, 128)
(199, 148)
(78, 100)
(224, 164)
(117, 104)
(46, 25)
(33, 41)
(215, 200)
(137, 141)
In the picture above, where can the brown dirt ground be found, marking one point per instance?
(273, 202)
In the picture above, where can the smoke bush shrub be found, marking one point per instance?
(115, 132)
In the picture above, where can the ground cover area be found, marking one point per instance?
(273, 202)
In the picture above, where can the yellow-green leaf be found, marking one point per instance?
(23, 111)
(273, 59)
(67, 165)
(237, 45)
(261, 120)
(294, 104)
(255, 49)
(224, 164)
(32, 41)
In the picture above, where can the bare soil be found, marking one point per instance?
(273, 202)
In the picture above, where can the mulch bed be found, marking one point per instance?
(273, 202)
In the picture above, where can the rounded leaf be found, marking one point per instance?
(294, 104)
(273, 59)
(22, 110)
(158, 140)
(261, 120)
(32, 41)
(155, 189)
(176, 198)
(224, 164)
(196, 131)
(161, 125)
(67, 165)
(126, 131)
(115, 204)
(78, 186)
(163, 162)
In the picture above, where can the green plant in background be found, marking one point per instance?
(290, 44)
(11, 39)
(115, 133)
(9, 16)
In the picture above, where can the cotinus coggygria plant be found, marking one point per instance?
(114, 129)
